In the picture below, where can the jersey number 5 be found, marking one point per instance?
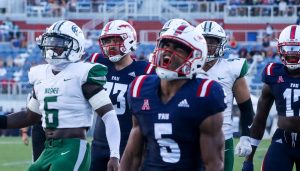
(51, 114)
(169, 149)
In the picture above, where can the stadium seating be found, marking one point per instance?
(247, 30)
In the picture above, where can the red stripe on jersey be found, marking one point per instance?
(132, 86)
(208, 88)
(293, 32)
(200, 87)
(263, 165)
(269, 70)
(140, 85)
(136, 86)
(94, 57)
(180, 29)
(149, 69)
(204, 88)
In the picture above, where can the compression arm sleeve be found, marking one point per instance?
(113, 133)
(247, 114)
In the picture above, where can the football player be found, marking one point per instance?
(65, 92)
(177, 118)
(230, 73)
(118, 40)
(281, 85)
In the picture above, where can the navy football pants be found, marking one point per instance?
(283, 152)
(100, 158)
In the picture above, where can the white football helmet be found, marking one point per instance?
(289, 46)
(62, 43)
(122, 29)
(173, 23)
(213, 29)
(183, 37)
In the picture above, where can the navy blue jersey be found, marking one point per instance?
(285, 89)
(117, 85)
(171, 130)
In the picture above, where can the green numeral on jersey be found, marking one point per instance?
(51, 114)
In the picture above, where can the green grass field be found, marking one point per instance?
(15, 156)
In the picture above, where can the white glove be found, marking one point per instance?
(243, 148)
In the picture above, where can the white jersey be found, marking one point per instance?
(62, 102)
(226, 72)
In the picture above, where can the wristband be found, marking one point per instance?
(254, 142)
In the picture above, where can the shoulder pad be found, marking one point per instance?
(35, 72)
(149, 69)
(238, 66)
(204, 87)
(97, 74)
(272, 71)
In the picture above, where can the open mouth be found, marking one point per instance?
(292, 59)
(166, 59)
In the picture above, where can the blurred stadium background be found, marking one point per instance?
(252, 27)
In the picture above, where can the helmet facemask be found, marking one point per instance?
(174, 61)
(57, 48)
(211, 29)
(122, 36)
(290, 54)
(113, 47)
(215, 47)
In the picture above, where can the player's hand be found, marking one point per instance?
(113, 164)
(243, 148)
(247, 166)
(25, 138)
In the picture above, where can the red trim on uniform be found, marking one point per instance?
(140, 86)
(94, 57)
(208, 88)
(263, 163)
(180, 29)
(270, 67)
(147, 68)
(140, 83)
(132, 86)
(293, 32)
(204, 89)
(200, 87)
